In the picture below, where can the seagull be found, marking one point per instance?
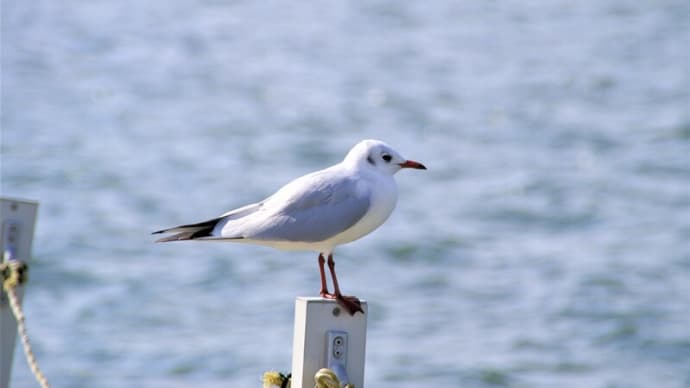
(315, 212)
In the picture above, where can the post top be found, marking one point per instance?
(17, 200)
(318, 299)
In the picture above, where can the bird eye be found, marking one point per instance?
(386, 157)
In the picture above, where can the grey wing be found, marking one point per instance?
(317, 214)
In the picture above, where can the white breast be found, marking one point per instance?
(384, 196)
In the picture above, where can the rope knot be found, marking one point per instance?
(13, 273)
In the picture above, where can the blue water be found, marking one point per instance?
(547, 245)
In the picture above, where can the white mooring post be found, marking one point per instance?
(327, 336)
(17, 219)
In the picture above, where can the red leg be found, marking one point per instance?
(324, 288)
(350, 303)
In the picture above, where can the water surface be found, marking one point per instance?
(547, 244)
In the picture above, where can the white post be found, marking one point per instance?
(17, 219)
(327, 336)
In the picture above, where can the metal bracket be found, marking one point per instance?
(10, 239)
(336, 354)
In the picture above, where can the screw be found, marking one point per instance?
(336, 311)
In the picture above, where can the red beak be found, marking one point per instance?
(412, 164)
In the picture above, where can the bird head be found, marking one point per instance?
(375, 154)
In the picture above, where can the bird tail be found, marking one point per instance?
(190, 231)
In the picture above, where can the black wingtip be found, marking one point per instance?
(179, 237)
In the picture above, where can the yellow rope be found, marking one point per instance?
(273, 379)
(324, 378)
(13, 275)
